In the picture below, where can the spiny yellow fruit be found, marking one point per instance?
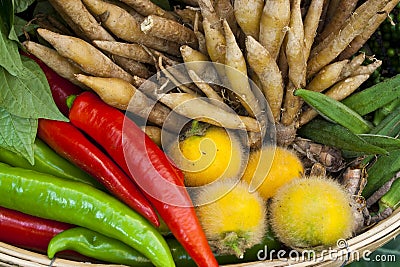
(234, 222)
(285, 167)
(208, 157)
(309, 212)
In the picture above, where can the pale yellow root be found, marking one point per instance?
(128, 50)
(86, 56)
(133, 67)
(201, 38)
(126, 27)
(122, 95)
(181, 80)
(311, 23)
(339, 91)
(368, 69)
(353, 26)
(295, 54)
(323, 16)
(169, 30)
(215, 41)
(291, 105)
(208, 12)
(54, 60)
(204, 87)
(225, 11)
(198, 109)
(327, 76)
(373, 24)
(248, 16)
(146, 8)
(295, 47)
(262, 63)
(75, 13)
(236, 71)
(342, 12)
(350, 67)
(274, 24)
(200, 64)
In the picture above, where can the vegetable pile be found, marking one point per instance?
(195, 132)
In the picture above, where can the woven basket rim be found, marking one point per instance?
(370, 240)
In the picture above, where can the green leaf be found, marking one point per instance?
(9, 55)
(28, 95)
(335, 111)
(18, 134)
(374, 97)
(335, 135)
(386, 142)
(22, 5)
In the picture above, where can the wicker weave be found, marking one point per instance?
(370, 240)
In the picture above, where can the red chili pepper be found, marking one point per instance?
(33, 233)
(148, 166)
(73, 145)
(26, 231)
(60, 87)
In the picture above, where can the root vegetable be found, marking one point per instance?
(88, 58)
(225, 11)
(61, 65)
(268, 72)
(342, 12)
(126, 27)
(248, 16)
(354, 26)
(233, 219)
(168, 30)
(146, 8)
(128, 50)
(236, 71)
(274, 24)
(327, 76)
(198, 109)
(133, 67)
(373, 24)
(204, 87)
(310, 212)
(311, 23)
(75, 13)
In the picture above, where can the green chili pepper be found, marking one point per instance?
(63, 200)
(98, 246)
(48, 161)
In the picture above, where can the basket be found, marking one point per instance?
(367, 241)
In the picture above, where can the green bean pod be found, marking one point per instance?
(48, 161)
(392, 197)
(381, 171)
(100, 247)
(96, 246)
(59, 199)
